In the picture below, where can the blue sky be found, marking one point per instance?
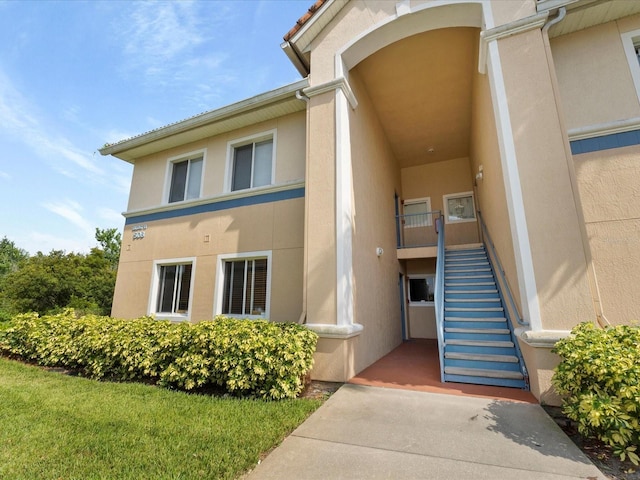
(75, 75)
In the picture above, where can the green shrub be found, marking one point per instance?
(245, 357)
(599, 377)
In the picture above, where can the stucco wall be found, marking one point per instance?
(435, 180)
(276, 227)
(595, 82)
(609, 183)
(421, 318)
(149, 182)
(376, 178)
(320, 222)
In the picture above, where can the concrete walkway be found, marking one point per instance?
(365, 432)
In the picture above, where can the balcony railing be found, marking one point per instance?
(417, 229)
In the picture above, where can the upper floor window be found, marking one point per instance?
(186, 179)
(459, 208)
(631, 43)
(251, 162)
(417, 212)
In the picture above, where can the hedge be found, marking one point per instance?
(244, 357)
(599, 376)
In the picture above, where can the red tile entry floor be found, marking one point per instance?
(414, 365)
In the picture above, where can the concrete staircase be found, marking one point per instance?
(478, 346)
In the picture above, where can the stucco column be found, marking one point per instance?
(548, 204)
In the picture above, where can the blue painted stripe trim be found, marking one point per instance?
(217, 206)
(606, 142)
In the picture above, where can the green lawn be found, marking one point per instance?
(54, 426)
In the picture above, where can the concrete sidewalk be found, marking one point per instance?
(365, 432)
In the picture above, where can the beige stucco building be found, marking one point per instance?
(463, 170)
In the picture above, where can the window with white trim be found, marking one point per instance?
(173, 289)
(631, 44)
(417, 212)
(251, 162)
(244, 285)
(459, 208)
(186, 179)
(421, 290)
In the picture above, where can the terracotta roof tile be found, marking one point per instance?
(304, 19)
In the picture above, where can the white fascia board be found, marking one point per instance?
(550, 5)
(253, 103)
(320, 19)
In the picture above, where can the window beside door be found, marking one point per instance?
(421, 290)
(417, 212)
(459, 208)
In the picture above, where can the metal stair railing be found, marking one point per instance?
(503, 287)
(439, 292)
(415, 229)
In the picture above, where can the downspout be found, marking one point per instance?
(591, 273)
(303, 316)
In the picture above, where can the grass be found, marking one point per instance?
(55, 426)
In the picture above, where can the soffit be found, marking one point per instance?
(420, 88)
(587, 13)
(267, 106)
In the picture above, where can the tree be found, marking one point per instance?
(10, 256)
(45, 283)
(110, 241)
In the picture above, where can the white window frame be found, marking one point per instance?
(416, 201)
(630, 41)
(422, 276)
(445, 205)
(169, 174)
(219, 288)
(155, 288)
(241, 142)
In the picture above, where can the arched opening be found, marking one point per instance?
(423, 129)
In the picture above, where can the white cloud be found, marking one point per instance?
(4, 175)
(167, 45)
(72, 212)
(160, 31)
(110, 216)
(115, 136)
(18, 118)
(45, 242)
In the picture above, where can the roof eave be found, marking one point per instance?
(257, 102)
(299, 39)
(296, 58)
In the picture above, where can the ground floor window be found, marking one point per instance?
(421, 289)
(173, 289)
(244, 286)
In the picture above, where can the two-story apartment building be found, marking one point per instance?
(464, 170)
